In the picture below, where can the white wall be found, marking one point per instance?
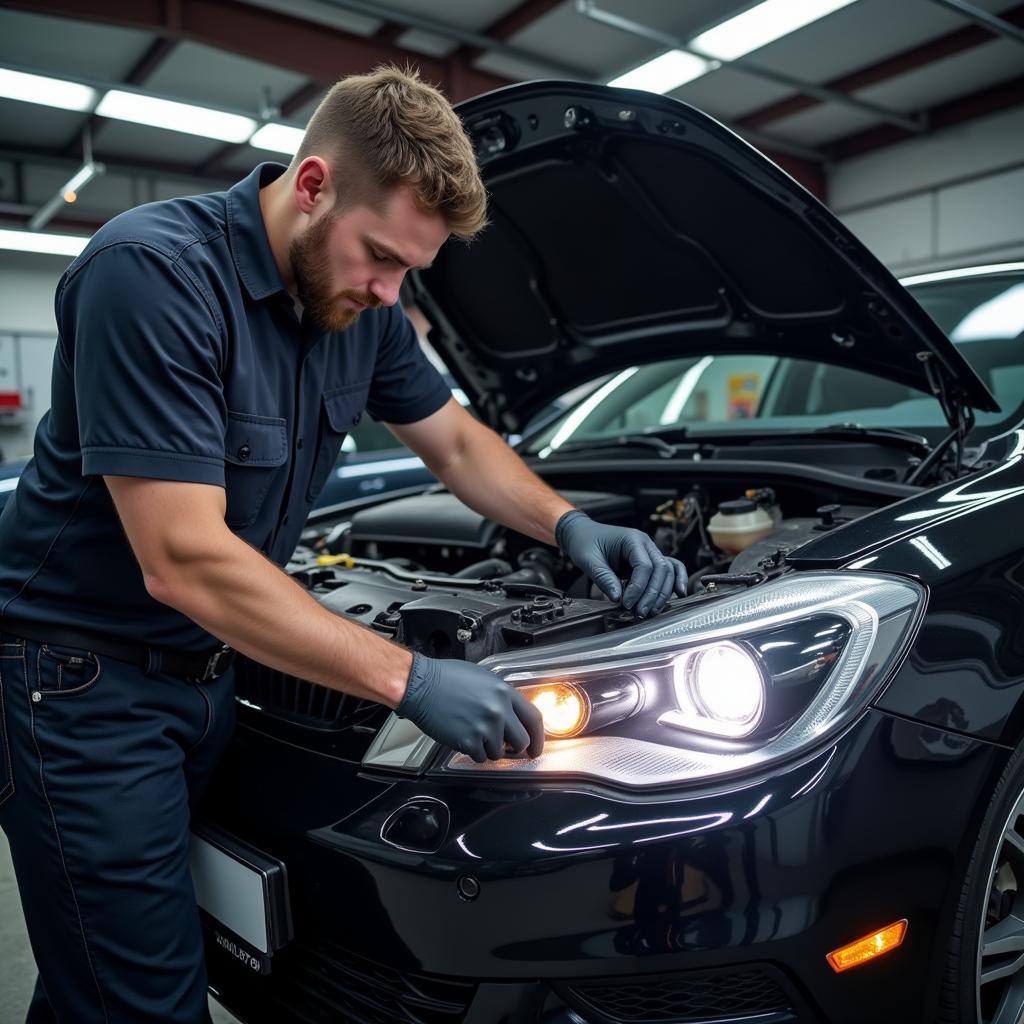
(955, 198)
(27, 283)
(27, 325)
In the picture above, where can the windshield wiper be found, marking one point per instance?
(663, 448)
(885, 435)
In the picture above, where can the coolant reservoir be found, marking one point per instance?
(738, 524)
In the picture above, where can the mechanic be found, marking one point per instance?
(212, 353)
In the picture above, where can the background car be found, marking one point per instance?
(371, 462)
(795, 795)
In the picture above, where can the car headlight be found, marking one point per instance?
(724, 687)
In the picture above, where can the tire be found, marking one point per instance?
(983, 980)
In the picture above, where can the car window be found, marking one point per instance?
(371, 435)
(984, 318)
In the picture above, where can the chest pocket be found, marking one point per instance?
(341, 410)
(254, 449)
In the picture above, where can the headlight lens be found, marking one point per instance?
(727, 686)
(719, 690)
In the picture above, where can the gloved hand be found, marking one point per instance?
(468, 708)
(601, 551)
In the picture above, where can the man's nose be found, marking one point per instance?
(386, 288)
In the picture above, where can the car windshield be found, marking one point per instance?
(725, 394)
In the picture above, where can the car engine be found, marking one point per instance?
(430, 573)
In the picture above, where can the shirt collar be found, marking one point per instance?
(250, 247)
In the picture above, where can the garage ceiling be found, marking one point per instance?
(866, 76)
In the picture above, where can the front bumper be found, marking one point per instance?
(566, 902)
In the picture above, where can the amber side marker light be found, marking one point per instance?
(872, 946)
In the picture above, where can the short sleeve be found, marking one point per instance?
(146, 350)
(405, 387)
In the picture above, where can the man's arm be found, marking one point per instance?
(485, 473)
(192, 562)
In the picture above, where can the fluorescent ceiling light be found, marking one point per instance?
(665, 73)
(50, 92)
(37, 241)
(178, 117)
(761, 25)
(280, 138)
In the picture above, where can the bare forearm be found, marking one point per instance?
(492, 479)
(233, 592)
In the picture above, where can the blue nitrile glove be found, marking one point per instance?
(601, 551)
(466, 707)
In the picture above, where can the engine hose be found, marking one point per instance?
(488, 569)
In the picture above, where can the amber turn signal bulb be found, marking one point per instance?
(870, 947)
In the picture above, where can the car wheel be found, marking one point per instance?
(984, 976)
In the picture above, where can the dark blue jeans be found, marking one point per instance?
(100, 769)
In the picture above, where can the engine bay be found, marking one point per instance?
(430, 573)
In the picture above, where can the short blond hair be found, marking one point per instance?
(390, 128)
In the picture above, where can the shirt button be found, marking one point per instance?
(298, 443)
(355, 419)
(244, 452)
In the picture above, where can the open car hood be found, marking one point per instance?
(628, 227)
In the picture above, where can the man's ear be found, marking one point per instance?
(312, 184)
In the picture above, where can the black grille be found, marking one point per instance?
(318, 985)
(297, 701)
(693, 996)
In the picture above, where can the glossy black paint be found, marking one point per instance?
(476, 899)
(577, 882)
(542, 888)
(966, 670)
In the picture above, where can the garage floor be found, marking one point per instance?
(17, 968)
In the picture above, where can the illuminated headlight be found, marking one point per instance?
(719, 690)
(563, 707)
(728, 686)
(571, 709)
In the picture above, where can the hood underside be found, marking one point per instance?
(628, 227)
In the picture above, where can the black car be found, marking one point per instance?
(796, 794)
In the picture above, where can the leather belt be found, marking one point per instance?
(199, 666)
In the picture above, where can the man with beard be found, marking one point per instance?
(212, 353)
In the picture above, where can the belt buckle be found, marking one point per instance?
(212, 669)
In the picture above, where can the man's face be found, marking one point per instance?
(346, 263)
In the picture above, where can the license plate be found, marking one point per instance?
(242, 895)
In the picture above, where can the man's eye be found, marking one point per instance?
(380, 257)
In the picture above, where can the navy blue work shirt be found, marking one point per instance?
(180, 357)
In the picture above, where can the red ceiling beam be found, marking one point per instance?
(321, 52)
(897, 64)
(990, 100)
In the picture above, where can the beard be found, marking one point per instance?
(312, 271)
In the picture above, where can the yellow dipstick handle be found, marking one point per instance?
(346, 561)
